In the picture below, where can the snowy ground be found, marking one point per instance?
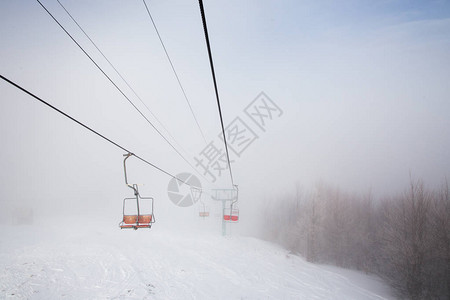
(96, 260)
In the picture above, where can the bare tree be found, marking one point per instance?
(439, 256)
(405, 240)
(313, 229)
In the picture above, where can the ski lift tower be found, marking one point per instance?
(230, 212)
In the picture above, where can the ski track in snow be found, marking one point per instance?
(98, 262)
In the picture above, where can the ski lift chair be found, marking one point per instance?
(203, 214)
(197, 196)
(231, 214)
(204, 211)
(137, 212)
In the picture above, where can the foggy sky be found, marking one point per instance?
(363, 87)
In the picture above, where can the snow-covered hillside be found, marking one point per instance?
(66, 259)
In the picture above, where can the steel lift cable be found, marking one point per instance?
(117, 87)
(120, 75)
(90, 129)
(174, 71)
(205, 28)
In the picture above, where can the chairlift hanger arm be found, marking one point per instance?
(87, 127)
(131, 186)
(237, 196)
(125, 167)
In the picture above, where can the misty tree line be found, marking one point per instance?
(404, 239)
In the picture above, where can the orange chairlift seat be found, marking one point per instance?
(137, 211)
(203, 214)
(134, 219)
(143, 221)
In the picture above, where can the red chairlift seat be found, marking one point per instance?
(232, 216)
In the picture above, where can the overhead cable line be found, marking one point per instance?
(120, 75)
(117, 87)
(174, 71)
(205, 28)
(89, 128)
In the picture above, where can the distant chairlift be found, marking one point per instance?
(231, 214)
(204, 211)
(197, 196)
(137, 211)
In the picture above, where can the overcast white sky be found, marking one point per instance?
(363, 85)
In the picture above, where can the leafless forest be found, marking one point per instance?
(405, 239)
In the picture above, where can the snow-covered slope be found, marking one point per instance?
(95, 260)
